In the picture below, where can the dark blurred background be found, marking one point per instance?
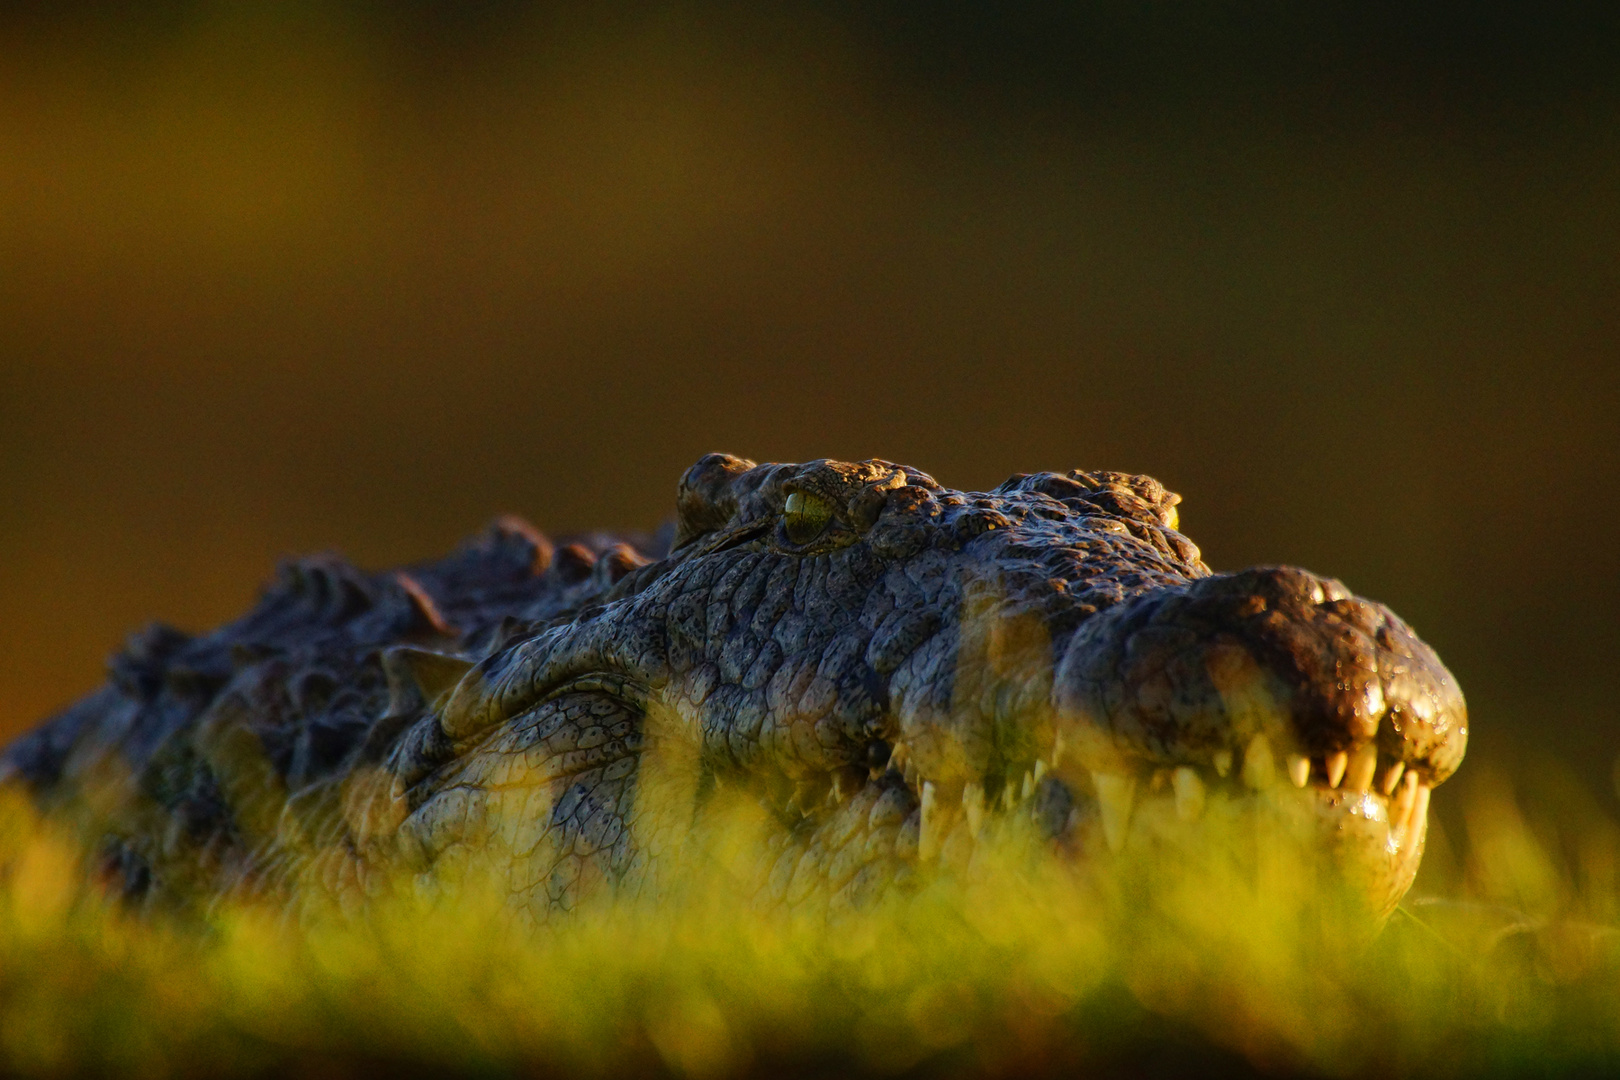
(360, 275)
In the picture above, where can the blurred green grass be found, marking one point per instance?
(337, 274)
(1504, 961)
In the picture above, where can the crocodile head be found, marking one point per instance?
(890, 667)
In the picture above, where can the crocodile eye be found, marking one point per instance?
(804, 516)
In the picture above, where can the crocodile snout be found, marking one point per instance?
(1260, 678)
(1185, 674)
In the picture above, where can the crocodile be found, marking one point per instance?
(886, 668)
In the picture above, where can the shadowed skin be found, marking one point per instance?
(884, 667)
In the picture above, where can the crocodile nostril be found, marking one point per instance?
(1364, 615)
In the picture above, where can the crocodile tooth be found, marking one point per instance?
(1189, 794)
(1299, 769)
(1400, 810)
(928, 828)
(1029, 783)
(1223, 762)
(1420, 811)
(973, 803)
(1057, 750)
(1259, 767)
(1040, 771)
(1336, 764)
(1358, 777)
(809, 793)
(1115, 793)
(1392, 776)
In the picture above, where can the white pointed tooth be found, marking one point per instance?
(1189, 794)
(973, 803)
(1299, 769)
(1057, 750)
(1358, 777)
(1115, 794)
(807, 795)
(1336, 764)
(1419, 814)
(928, 831)
(1029, 784)
(1400, 808)
(1223, 762)
(1392, 776)
(1259, 766)
(1040, 771)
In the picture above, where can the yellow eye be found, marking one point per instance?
(804, 516)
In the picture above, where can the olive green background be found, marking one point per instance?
(361, 276)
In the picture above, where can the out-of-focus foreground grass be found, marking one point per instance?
(1505, 960)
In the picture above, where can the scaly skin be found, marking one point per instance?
(885, 667)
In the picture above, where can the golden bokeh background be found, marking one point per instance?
(359, 276)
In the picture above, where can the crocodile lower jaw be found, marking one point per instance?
(1368, 812)
(1356, 782)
